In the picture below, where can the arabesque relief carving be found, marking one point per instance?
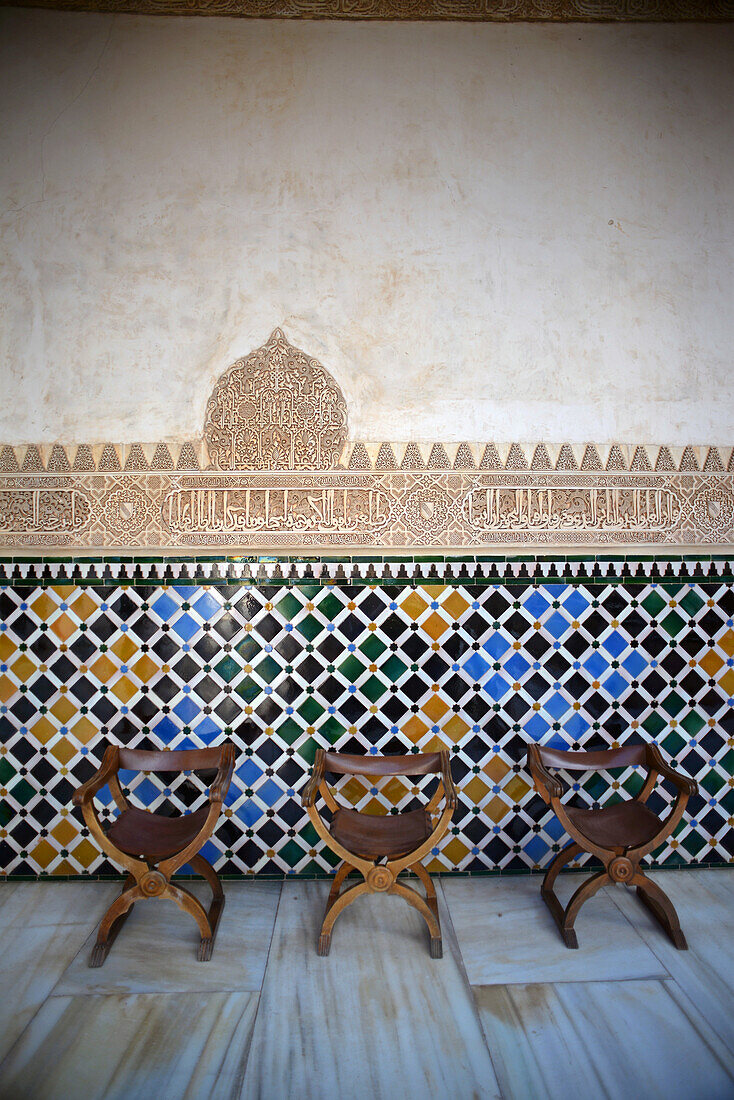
(274, 470)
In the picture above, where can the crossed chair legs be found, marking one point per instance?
(620, 869)
(383, 880)
(152, 883)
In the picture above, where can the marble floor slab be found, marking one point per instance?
(704, 900)
(181, 1046)
(156, 949)
(506, 934)
(32, 960)
(616, 1040)
(46, 904)
(376, 1020)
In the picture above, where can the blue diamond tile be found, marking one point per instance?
(556, 705)
(536, 727)
(556, 624)
(615, 643)
(497, 687)
(495, 645)
(248, 772)
(165, 607)
(634, 664)
(270, 792)
(596, 664)
(476, 666)
(517, 666)
(186, 626)
(536, 605)
(576, 726)
(186, 710)
(206, 605)
(249, 812)
(575, 604)
(207, 731)
(615, 685)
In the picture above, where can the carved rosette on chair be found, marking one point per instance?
(152, 847)
(619, 835)
(380, 847)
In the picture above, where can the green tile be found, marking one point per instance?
(373, 646)
(268, 669)
(310, 710)
(310, 627)
(289, 606)
(227, 668)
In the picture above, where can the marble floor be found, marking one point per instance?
(508, 1012)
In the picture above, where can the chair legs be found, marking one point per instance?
(382, 882)
(620, 870)
(661, 907)
(154, 885)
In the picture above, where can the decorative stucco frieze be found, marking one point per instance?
(274, 470)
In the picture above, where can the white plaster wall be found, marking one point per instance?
(509, 232)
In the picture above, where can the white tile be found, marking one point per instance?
(45, 904)
(156, 948)
(33, 959)
(506, 934)
(376, 1020)
(704, 900)
(181, 1046)
(618, 1040)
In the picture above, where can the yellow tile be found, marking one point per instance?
(124, 648)
(455, 851)
(7, 689)
(43, 854)
(63, 627)
(44, 606)
(65, 868)
(353, 791)
(374, 806)
(43, 730)
(144, 669)
(711, 662)
(65, 832)
(24, 667)
(413, 605)
(124, 689)
(434, 625)
(455, 604)
(727, 643)
(63, 591)
(455, 728)
(394, 791)
(496, 768)
(727, 682)
(475, 790)
(435, 708)
(433, 591)
(434, 744)
(103, 668)
(64, 709)
(83, 730)
(415, 729)
(496, 809)
(64, 751)
(7, 647)
(85, 853)
(517, 788)
(83, 606)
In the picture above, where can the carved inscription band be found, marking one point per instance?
(275, 470)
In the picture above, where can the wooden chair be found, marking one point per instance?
(381, 846)
(152, 847)
(619, 834)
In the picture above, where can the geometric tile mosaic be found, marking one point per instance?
(280, 669)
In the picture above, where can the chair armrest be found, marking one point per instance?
(448, 781)
(223, 778)
(656, 762)
(106, 771)
(308, 798)
(548, 786)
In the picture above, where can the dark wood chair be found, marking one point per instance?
(381, 846)
(152, 847)
(619, 834)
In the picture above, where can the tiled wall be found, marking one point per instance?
(482, 665)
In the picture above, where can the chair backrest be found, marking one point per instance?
(420, 763)
(175, 760)
(578, 761)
